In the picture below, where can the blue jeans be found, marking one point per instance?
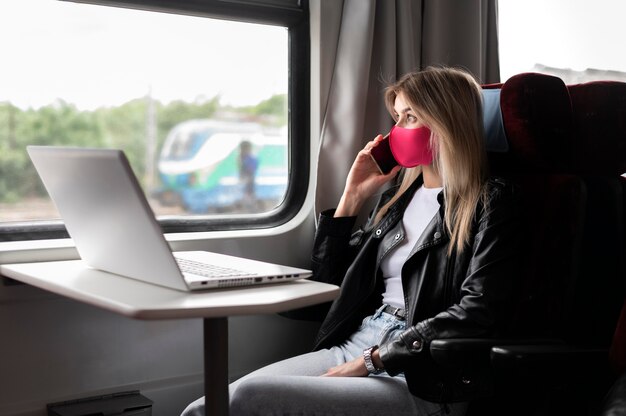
(292, 386)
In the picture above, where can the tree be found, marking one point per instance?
(122, 127)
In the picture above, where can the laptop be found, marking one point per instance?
(114, 229)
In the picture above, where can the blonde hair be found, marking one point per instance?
(449, 102)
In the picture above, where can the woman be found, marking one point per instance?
(436, 260)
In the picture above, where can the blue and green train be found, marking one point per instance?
(199, 165)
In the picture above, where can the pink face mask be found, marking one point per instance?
(411, 147)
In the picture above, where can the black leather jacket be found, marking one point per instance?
(458, 296)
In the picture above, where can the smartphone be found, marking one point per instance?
(383, 157)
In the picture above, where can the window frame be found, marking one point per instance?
(292, 14)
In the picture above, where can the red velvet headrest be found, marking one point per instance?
(537, 116)
(599, 109)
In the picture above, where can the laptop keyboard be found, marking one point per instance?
(208, 270)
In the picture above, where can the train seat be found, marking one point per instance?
(537, 118)
(599, 110)
(576, 374)
(600, 158)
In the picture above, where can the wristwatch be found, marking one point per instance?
(369, 364)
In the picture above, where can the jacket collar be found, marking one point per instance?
(435, 232)
(395, 212)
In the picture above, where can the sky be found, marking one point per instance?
(52, 49)
(575, 34)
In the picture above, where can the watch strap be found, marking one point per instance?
(369, 364)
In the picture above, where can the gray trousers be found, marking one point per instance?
(293, 386)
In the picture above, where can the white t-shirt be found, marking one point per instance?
(418, 214)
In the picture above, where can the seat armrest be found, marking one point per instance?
(460, 352)
(517, 357)
(582, 371)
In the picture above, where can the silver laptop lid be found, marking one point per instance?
(106, 213)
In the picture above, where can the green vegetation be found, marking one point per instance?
(125, 127)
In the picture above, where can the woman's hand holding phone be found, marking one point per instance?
(364, 179)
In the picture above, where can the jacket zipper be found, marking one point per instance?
(447, 294)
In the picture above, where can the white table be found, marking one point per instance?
(140, 300)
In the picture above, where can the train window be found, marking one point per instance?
(200, 98)
(571, 39)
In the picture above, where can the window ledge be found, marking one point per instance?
(64, 248)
